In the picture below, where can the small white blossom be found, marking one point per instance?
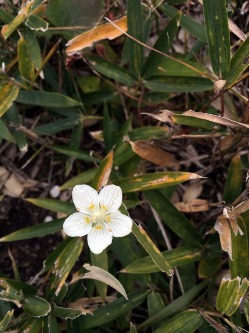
(98, 216)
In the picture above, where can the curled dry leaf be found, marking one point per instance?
(96, 34)
(162, 115)
(154, 154)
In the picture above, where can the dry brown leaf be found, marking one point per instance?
(218, 85)
(154, 154)
(13, 187)
(103, 31)
(193, 206)
(93, 303)
(162, 115)
(223, 228)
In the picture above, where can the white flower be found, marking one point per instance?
(98, 216)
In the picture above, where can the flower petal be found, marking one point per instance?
(85, 198)
(99, 238)
(111, 197)
(120, 224)
(77, 224)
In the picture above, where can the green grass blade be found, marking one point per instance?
(135, 29)
(185, 322)
(8, 94)
(54, 205)
(216, 22)
(233, 184)
(85, 177)
(76, 153)
(163, 44)
(113, 310)
(46, 99)
(194, 28)
(239, 63)
(175, 220)
(174, 307)
(37, 230)
(152, 249)
(176, 257)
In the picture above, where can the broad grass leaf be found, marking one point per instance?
(8, 94)
(65, 262)
(239, 265)
(100, 261)
(33, 47)
(5, 133)
(233, 184)
(13, 117)
(59, 125)
(163, 44)
(185, 322)
(76, 153)
(239, 63)
(149, 133)
(54, 205)
(113, 310)
(46, 99)
(178, 84)
(37, 230)
(85, 177)
(152, 249)
(111, 70)
(135, 29)
(176, 257)
(66, 313)
(9, 28)
(216, 22)
(194, 28)
(26, 65)
(36, 306)
(175, 306)
(87, 38)
(230, 295)
(36, 23)
(175, 220)
(5, 321)
(154, 180)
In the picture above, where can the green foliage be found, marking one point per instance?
(100, 117)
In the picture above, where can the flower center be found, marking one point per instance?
(100, 215)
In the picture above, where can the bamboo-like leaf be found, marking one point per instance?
(66, 260)
(153, 181)
(194, 28)
(76, 153)
(20, 138)
(178, 84)
(33, 47)
(66, 313)
(239, 264)
(37, 230)
(175, 220)
(136, 30)
(9, 28)
(132, 328)
(176, 257)
(113, 310)
(174, 307)
(36, 306)
(46, 99)
(230, 295)
(8, 94)
(100, 261)
(163, 44)
(5, 321)
(216, 22)
(239, 63)
(149, 133)
(26, 65)
(85, 177)
(233, 184)
(54, 205)
(103, 172)
(97, 273)
(111, 70)
(152, 249)
(185, 322)
(36, 23)
(5, 133)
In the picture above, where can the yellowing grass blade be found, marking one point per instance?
(96, 34)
